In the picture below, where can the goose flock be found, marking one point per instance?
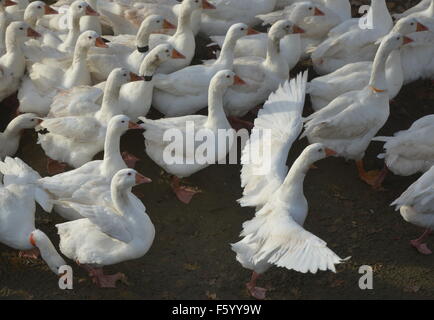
(86, 72)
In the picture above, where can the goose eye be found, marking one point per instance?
(158, 21)
(32, 120)
(242, 29)
(398, 38)
(412, 24)
(39, 7)
(21, 28)
(129, 173)
(228, 77)
(167, 51)
(123, 121)
(319, 150)
(310, 8)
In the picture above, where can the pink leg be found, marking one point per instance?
(256, 292)
(420, 245)
(31, 254)
(105, 281)
(55, 167)
(130, 160)
(238, 123)
(183, 193)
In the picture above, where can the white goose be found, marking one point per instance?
(420, 7)
(45, 79)
(329, 14)
(262, 76)
(19, 192)
(416, 206)
(291, 45)
(348, 123)
(93, 178)
(185, 91)
(77, 139)
(4, 22)
(134, 98)
(13, 62)
(229, 12)
(348, 42)
(409, 151)
(185, 163)
(355, 76)
(183, 40)
(114, 230)
(125, 18)
(10, 138)
(275, 236)
(121, 53)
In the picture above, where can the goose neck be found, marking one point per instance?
(142, 38)
(378, 74)
(216, 113)
(110, 98)
(120, 197)
(148, 66)
(184, 21)
(13, 44)
(112, 161)
(227, 54)
(73, 32)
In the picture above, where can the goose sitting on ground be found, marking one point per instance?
(10, 138)
(275, 236)
(416, 205)
(349, 42)
(13, 62)
(75, 140)
(355, 76)
(19, 192)
(183, 163)
(93, 178)
(348, 123)
(115, 229)
(229, 12)
(121, 52)
(47, 78)
(409, 151)
(185, 91)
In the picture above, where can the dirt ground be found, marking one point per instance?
(191, 256)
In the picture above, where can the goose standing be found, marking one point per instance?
(348, 42)
(75, 140)
(121, 54)
(19, 192)
(348, 123)
(416, 206)
(13, 62)
(275, 236)
(134, 98)
(355, 76)
(185, 91)
(114, 230)
(92, 180)
(409, 151)
(46, 78)
(10, 138)
(185, 162)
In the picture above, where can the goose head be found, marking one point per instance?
(283, 28)
(224, 79)
(151, 24)
(156, 57)
(127, 178)
(120, 124)
(36, 10)
(239, 30)
(89, 39)
(393, 41)
(303, 10)
(191, 5)
(79, 9)
(20, 30)
(316, 152)
(121, 76)
(25, 121)
(409, 25)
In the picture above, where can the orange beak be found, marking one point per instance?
(330, 152)
(9, 3)
(132, 125)
(207, 5)
(142, 179)
(32, 240)
(297, 29)
(49, 10)
(318, 12)
(407, 40)
(99, 42)
(238, 80)
(39, 121)
(251, 31)
(32, 33)
(168, 25)
(420, 27)
(177, 55)
(135, 77)
(91, 12)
